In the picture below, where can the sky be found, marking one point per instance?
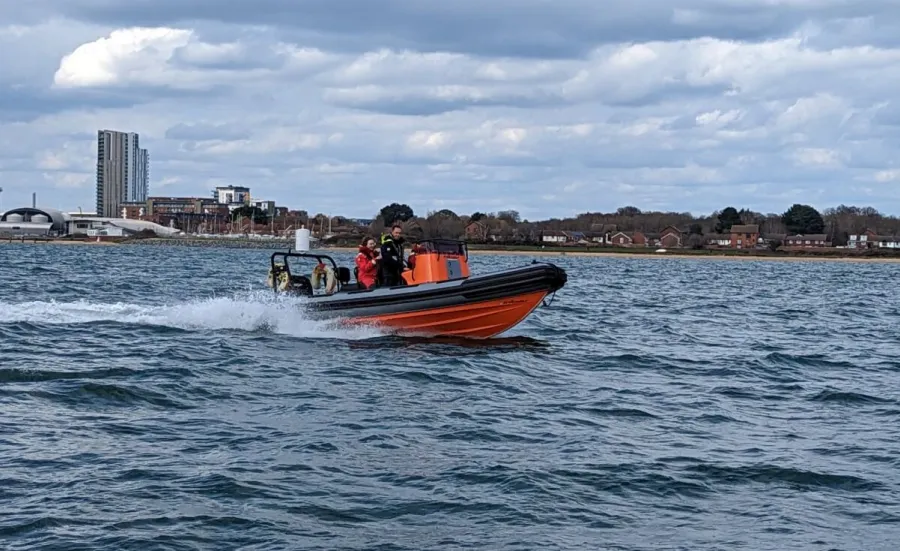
(551, 108)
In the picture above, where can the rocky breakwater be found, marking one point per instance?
(274, 244)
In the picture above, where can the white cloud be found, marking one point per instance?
(326, 115)
(718, 118)
(51, 161)
(175, 58)
(14, 31)
(69, 180)
(424, 139)
(126, 56)
(884, 176)
(818, 157)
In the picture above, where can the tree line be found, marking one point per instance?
(837, 223)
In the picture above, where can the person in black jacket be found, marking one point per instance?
(391, 266)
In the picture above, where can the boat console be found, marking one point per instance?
(435, 260)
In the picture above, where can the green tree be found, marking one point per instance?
(727, 218)
(476, 216)
(395, 212)
(803, 219)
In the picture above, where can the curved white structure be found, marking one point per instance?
(29, 221)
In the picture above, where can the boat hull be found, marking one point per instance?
(476, 307)
(484, 319)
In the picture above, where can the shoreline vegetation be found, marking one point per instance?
(825, 254)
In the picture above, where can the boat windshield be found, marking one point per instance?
(441, 246)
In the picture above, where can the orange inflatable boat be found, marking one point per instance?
(440, 298)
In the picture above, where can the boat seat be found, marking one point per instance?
(343, 275)
(301, 285)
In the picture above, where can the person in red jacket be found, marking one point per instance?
(411, 259)
(367, 263)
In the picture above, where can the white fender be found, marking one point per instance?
(330, 280)
(283, 282)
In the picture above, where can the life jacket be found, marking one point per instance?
(388, 239)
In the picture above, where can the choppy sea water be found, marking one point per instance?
(160, 398)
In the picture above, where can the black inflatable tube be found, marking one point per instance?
(536, 277)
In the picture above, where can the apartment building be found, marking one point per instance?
(123, 171)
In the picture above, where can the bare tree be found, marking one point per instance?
(442, 224)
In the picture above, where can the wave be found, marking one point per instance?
(250, 311)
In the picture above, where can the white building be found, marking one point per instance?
(46, 222)
(94, 225)
(32, 222)
(106, 231)
(233, 196)
(873, 240)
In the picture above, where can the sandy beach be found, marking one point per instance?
(666, 255)
(690, 256)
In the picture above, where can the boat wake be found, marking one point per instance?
(251, 311)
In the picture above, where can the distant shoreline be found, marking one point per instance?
(7, 241)
(827, 255)
(701, 255)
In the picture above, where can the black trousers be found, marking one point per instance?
(389, 279)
